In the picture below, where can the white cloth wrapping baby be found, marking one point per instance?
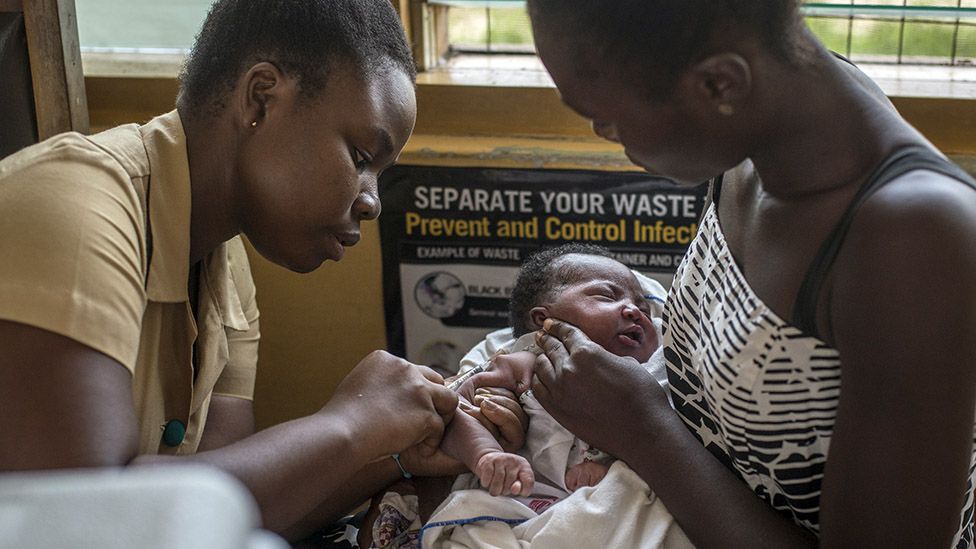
(620, 511)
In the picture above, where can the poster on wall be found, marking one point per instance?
(452, 241)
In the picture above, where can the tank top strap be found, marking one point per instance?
(904, 160)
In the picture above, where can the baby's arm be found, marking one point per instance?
(500, 472)
(512, 371)
(587, 473)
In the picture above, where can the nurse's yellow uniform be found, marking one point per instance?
(75, 260)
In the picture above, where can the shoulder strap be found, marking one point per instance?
(715, 188)
(907, 159)
(712, 195)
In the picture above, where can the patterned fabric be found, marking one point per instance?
(340, 535)
(398, 524)
(757, 392)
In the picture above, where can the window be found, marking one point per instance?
(472, 33)
(910, 32)
(500, 29)
(489, 42)
(930, 32)
(139, 25)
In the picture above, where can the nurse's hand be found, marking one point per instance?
(600, 397)
(500, 412)
(511, 371)
(497, 410)
(389, 404)
(419, 462)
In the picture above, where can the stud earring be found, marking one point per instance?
(725, 109)
(254, 124)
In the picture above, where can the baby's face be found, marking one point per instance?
(607, 303)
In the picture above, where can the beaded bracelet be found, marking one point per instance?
(396, 458)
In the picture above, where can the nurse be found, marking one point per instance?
(128, 323)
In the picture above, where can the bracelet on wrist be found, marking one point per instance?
(396, 458)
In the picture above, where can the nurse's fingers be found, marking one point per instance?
(445, 401)
(431, 375)
(503, 398)
(509, 419)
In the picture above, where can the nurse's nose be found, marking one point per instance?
(367, 205)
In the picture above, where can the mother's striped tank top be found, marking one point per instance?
(757, 391)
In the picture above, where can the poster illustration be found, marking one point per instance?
(453, 238)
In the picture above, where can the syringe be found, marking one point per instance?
(456, 384)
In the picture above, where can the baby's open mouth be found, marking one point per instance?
(635, 333)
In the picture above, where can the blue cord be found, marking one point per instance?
(396, 458)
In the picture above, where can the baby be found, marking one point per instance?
(577, 283)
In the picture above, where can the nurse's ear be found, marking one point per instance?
(537, 316)
(262, 91)
(720, 83)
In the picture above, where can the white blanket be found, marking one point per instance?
(620, 511)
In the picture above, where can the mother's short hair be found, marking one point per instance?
(653, 41)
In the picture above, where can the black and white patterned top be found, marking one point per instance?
(760, 394)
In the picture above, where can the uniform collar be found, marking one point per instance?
(169, 208)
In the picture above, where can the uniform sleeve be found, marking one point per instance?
(237, 378)
(72, 252)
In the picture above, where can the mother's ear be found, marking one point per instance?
(722, 82)
(538, 315)
(261, 90)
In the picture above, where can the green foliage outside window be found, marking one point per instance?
(869, 35)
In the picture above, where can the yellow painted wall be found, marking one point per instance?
(316, 327)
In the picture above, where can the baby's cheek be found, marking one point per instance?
(653, 340)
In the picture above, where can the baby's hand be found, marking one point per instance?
(588, 473)
(504, 474)
(512, 371)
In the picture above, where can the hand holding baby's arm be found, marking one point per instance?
(502, 473)
(511, 371)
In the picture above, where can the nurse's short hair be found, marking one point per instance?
(653, 41)
(306, 39)
(541, 277)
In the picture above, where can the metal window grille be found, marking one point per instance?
(912, 32)
(907, 32)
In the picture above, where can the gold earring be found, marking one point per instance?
(254, 124)
(725, 109)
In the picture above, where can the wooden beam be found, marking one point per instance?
(439, 38)
(15, 6)
(55, 57)
(403, 9)
(419, 33)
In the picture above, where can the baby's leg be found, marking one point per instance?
(503, 474)
(587, 473)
